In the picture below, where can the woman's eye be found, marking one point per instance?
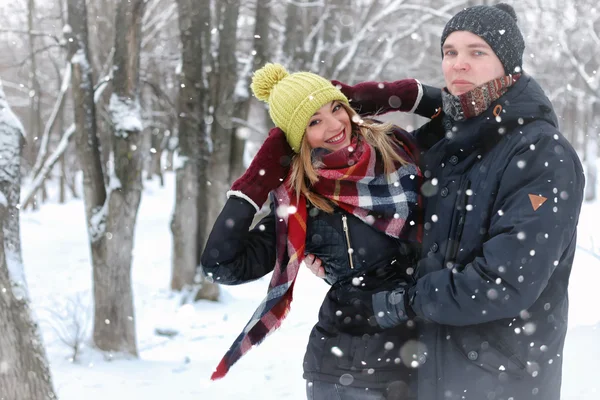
(313, 122)
(337, 107)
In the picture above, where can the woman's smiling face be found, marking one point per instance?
(329, 127)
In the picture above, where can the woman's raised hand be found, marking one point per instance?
(266, 172)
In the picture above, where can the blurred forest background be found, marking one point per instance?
(120, 91)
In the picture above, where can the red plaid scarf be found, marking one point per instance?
(354, 180)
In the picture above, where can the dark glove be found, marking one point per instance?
(407, 95)
(267, 170)
(368, 310)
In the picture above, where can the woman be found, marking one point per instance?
(350, 199)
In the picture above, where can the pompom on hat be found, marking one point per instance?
(293, 98)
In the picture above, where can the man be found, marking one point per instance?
(503, 194)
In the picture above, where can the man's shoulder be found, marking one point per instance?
(537, 132)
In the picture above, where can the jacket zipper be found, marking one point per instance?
(454, 240)
(347, 233)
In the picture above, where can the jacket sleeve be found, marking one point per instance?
(235, 254)
(525, 242)
(375, 98)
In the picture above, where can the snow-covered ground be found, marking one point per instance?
(58, 271)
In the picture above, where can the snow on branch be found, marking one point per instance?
(45, 170)
(592, 83)
(307, 4)
(52, 120)
(42, 174)
(392, 8)
(428, 14)
(33, 33)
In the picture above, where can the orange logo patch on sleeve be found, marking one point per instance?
(537, 201)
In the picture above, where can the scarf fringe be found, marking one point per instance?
(229, 359)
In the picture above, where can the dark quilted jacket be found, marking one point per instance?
(234, 255)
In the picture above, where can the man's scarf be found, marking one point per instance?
(476, 101)
(354, 180)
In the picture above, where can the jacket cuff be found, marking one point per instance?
(241, 195)
(430, 101)
(388, 307)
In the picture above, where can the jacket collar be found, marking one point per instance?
(524, 102)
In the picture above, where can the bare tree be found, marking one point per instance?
(223, 102)
(113, 315)
(34, 87)
(114, 322)
(24, 370)
(70, 320)
(249, 108)
(188, 223)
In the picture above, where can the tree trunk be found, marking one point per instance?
(194, 147)
(88, 150)
(250, 105)
(24, 370)
(184, 227)
(35, 92)
(114, 322)
(224, 103)
(591, 156)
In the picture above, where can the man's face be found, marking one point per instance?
(468, 62)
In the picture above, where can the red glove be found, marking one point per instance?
(267, 170)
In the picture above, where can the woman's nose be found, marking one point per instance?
(332, 123)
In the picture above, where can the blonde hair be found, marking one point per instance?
(304, 173)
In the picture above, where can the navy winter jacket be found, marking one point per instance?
(502, 199)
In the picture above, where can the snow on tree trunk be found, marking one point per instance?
(24, 370)
(193, 152)
(114, 321)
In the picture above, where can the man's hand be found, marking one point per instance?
(362, 308)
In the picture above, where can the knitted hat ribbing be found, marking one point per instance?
(293, 98)
(497, 25)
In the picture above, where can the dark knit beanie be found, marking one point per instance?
(497, 25)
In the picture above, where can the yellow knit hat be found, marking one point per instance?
(293, 98)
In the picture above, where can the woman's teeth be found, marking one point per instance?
(336, 138)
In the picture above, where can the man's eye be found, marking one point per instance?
(479, 53)
(450, 53)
